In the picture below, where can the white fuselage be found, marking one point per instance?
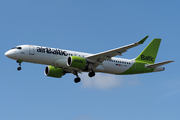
(58, 58)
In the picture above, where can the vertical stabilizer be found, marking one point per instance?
(148, 55)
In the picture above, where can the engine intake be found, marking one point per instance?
(52, 71)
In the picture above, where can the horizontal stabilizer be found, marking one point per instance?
(159, 64)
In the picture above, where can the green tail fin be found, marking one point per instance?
(148, 55)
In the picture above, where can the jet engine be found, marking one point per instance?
(52, 71)
(76, 62)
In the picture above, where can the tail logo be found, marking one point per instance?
(148, 58)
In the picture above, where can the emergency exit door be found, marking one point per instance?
(31, 49)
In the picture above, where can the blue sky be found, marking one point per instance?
(89, 26)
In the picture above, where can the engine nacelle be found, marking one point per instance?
(52, 71)
(76, 62)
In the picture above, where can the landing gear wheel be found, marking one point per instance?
(76, 80)
(19, 61)
(91, 74)
(19, 68)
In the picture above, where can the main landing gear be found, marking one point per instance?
(91, 74)
(78, 79)
(19, 68)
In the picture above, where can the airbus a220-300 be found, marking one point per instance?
(60, 62)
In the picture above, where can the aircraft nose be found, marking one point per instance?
(10, 54)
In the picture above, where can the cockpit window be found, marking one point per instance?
(17, 48)
(13, 48)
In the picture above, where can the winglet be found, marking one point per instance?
(142, 41)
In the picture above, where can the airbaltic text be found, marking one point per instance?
(149, 58)
(52, 51)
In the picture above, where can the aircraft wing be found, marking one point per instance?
(159, 64)
(98, 58)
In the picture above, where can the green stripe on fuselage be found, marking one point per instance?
(137, 68)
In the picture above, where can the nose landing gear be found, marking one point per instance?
(19, 61)
(77, 79)
(19, 68)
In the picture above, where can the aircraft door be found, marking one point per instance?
(31, 49)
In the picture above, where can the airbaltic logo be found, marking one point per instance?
(52, 51)
(149, 58)
(79, 61)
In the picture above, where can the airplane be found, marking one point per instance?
(62, 61)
